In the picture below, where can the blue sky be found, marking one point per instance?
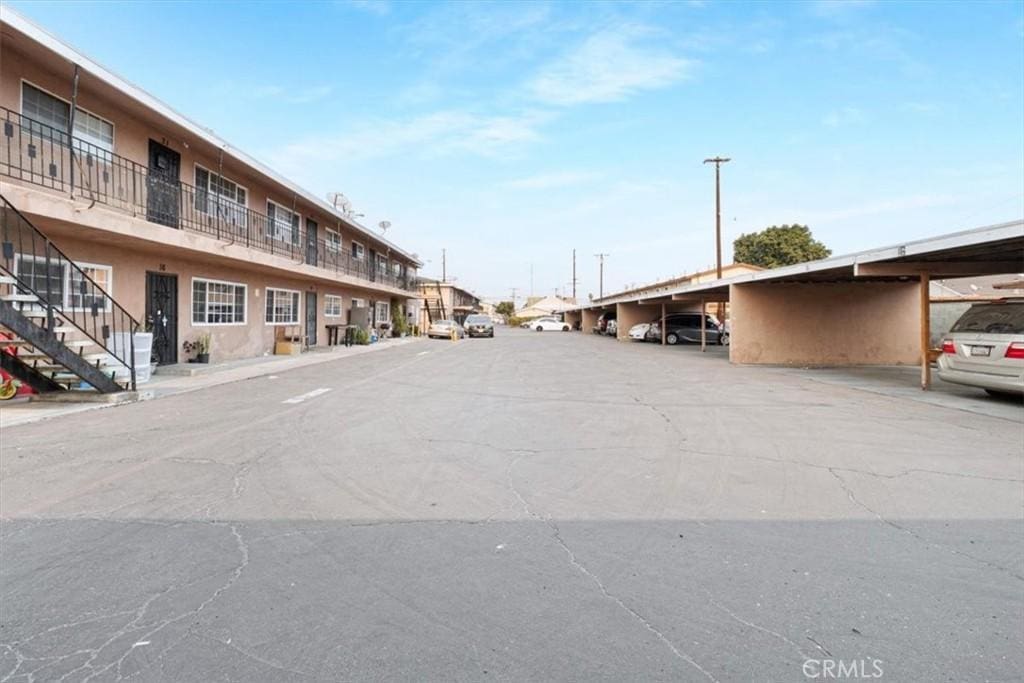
(511, 133)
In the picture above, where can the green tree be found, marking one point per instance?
(779, 245)
(505, 308)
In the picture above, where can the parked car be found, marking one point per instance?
(479, 326)
(612, 328)
(602, 322)
(639, 332)
(683, 328)
(442, 329)
(985, 348)
(547, 324)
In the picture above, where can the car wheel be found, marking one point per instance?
(724, 340)
(671, 339)
(565, 328)
(539, 328)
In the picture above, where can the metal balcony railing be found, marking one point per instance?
(40, 154)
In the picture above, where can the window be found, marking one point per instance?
(358, 303)
(382, 263)
(53, 111)
(217, 303)
(333, 241)
(282, 307)
(396, 269)
(218, 196)
(357, 251)
(283, 224)
(66, 287)
(383, 310)
(83, 295)
(332, 306)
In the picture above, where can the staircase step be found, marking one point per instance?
(19, 297)
(90, 357)
(7, 280)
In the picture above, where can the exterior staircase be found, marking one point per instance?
(435, 306)
(59, 330)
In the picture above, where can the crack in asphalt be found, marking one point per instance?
(582, 569)
(910, 532)
(134, 624)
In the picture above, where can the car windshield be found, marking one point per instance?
(478, 319)
(443, 323)
(992, 319)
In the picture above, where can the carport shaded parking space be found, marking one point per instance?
(863, 309)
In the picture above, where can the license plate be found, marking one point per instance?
(981, 350)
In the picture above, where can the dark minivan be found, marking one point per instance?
(684, 328)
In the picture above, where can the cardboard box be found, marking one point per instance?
(287, 348)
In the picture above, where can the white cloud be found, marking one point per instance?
(547, 181)
(378, 7)
(436, 134)
(879, 207)
(846, 116)
(608, 66)
(293, 95)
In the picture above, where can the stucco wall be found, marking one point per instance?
(254, 338)
(633, 314)
(857, 323)
(134, 126)
(590, 316)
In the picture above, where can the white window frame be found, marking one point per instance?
(236, 209)
(191, 298)
(298, 307)
(94, 143)
(65, 280)
(328, 298)
(274, 224)
(387, 312)
(361, 251)
(335, 248)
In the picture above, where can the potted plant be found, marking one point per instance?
(201, 347)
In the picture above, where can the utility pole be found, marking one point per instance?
(514, 289)
(600, 282)
(574, 275)
(718, 161)
(444, 265)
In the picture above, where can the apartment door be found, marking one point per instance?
(311, 247)
(162, 315)
(311, 318)
(163, 185)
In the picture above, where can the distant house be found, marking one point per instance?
(548, 305)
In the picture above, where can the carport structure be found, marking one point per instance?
(866, 308)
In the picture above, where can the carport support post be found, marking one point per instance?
(926, 368)
(703, 327)
(663, 324)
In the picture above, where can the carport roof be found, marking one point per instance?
(978, 251)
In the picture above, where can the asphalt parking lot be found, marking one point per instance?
(542, 506)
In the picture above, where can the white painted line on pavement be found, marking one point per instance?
(309, 394)
(422, 353)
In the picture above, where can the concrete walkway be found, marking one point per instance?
(159, 386)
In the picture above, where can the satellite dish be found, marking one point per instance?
(340, 202)
(384, 225)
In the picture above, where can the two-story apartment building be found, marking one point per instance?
(116, 203)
